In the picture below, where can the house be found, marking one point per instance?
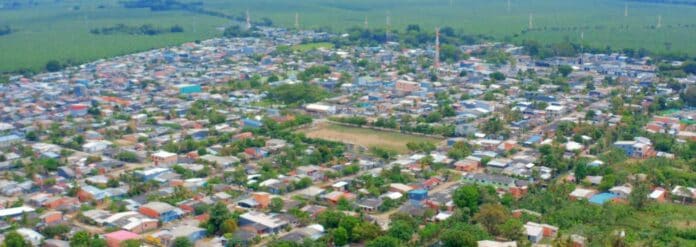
(160, 210)
(15, 212)
(622, 191)
(192, 232)
(659, 194)
(335, 196)
(164, 158)
(31, 236)
(581, 193)
(131, 221)
(188, 88)
(536, 232)
(9, 140)
(320, 109)
(95, 146)
(51, 217)
(407, 86)
(313, 232)
(369, 204)
(263, 223)
(640, 147)
(418, 195)
(150, 174)
(114, 239)
(468, 164)
(401, 188)
(684, 194)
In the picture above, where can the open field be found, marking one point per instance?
(365, 137)
(60, 29)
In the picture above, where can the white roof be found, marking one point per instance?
(163, 154)
(15, 211)
(580, 192)
(264, 219)
(657, 193)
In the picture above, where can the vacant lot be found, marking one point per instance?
(365, 137)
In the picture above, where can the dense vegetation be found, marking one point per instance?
(145, 29)
(300, 93)
(5, 30)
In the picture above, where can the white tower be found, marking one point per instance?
(531, 21)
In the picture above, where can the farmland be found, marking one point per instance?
(365, 137)
(60, 29)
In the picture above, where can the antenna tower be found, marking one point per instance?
(248, 20)
(388, 25)
(531, 21)
(659, 21)
(626, 10)
(437, 48)
(297, 21)
(367, 24)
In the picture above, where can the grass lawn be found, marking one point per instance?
(365, 137)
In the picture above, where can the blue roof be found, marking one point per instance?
(602, 198)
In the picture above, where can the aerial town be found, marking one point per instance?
(277, 140)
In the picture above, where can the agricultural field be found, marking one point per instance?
(55, 30)
(59, 30)
(601, 22)
(365, 137)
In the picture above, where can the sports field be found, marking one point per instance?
(365, 137)
(60, 29)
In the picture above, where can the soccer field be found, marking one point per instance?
(366, 137)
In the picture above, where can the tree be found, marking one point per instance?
(457, 238)
(565, 70)
(467, 196)
(512, 229)
(639, 196)
(130, 243)
(218, 215)
(491, 216)
(276, 204)
(365, 231)
(53, 66)
(498, 76)
(228, 226)
(81, 239)
(384, 241)
(14, 239)
(340, 236)
(402, 230)
(182, 242)
(689, 96)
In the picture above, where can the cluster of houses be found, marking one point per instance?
(93, 126)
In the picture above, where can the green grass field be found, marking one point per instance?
(366, 137)
(53, 30)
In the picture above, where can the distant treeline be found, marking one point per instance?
(675, 2)
(412, 36)
(145, 29)
(161, 5)
(5, 30)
